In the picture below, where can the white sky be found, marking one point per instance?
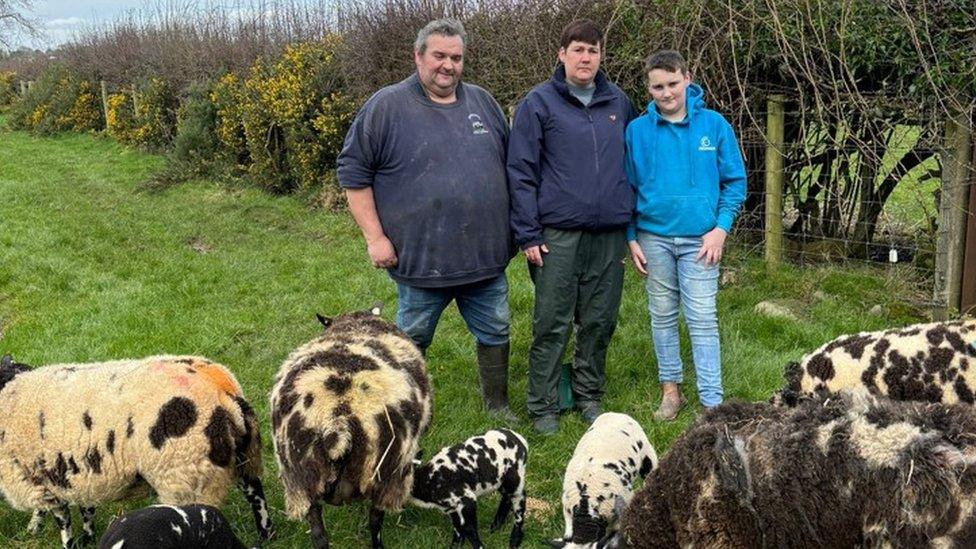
(59, 20)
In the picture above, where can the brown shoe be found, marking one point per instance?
(669, 408)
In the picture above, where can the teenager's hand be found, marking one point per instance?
(637, 254)
(712, 243)
(381, 252)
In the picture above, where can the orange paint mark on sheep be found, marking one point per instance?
(218, 377)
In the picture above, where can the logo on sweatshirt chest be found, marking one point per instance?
(477, 126)
(705, 144)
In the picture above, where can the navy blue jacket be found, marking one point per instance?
(566, 161)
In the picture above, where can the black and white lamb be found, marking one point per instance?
(842, 470)
(933, 362)
(599, 481)
(87, 434)
(347, 411)
(170, 527)
(454, 479)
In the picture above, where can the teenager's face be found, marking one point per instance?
(581, 60)
(668, 91)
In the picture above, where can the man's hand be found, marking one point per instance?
(637, 254)
(712, 243)
(381, 252)
(534, 254)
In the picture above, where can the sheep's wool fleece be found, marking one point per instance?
(347, 410)
(843, 470)
(87, 434)
(607, 460)
(935, 362)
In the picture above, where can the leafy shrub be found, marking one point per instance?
(59, 101)
(227, 97)
(8, 90)
(121, 122)
(155, 114)
(196, 138)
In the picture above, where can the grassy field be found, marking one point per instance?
(94, 267)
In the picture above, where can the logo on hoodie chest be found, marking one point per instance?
(477, 126)
(705, 144)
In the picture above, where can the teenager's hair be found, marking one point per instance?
(581, 30)
(669, 60)
(443, 27)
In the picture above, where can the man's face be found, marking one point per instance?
(668, 91)
(581, 60)
(439, 67)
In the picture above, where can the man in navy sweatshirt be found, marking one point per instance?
(423, 167)
(571, 204)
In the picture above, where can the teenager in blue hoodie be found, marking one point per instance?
(685, 165)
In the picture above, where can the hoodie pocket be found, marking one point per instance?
(690, 215)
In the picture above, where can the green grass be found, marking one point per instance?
(94, 268)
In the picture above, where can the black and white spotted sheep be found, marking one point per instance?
(848, 469)
(933, 362)
(599, 481)
(347, 411)
(454, 479)
(88, 434)
(171, 527)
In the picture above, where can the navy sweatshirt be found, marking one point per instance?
(566, 160)
(438, 178)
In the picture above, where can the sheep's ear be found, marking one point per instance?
(376, 308)
(324, 320)
(557, 543)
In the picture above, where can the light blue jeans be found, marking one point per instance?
(676, 278)
(483, 305)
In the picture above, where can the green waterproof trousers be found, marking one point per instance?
(581, 280)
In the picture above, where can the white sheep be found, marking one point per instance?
(600, 477)
(88, 434)
(454, 479)
(347, 411)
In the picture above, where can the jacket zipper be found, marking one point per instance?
(596, 155)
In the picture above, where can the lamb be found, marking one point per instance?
(88, 434)
(347, 411)
(933, 362)
(600, 477)
(844, 470)
(454, 479)
(171, 527)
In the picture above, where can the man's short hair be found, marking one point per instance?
(669, 60)
(581, 30)
(443, 27)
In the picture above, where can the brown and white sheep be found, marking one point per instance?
(347, 411)
(933, 362)
(847, 470)
(88, 434)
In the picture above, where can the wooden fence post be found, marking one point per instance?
(956, 163)
(104, 87)
(23, 88)
(135, 103)
(774, 181)
(30, 85)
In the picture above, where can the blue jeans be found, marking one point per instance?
(483, 305)
(675, 277)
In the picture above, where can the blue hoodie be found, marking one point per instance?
(689, 176)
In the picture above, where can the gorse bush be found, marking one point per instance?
(227, 98)
(155, 114)
(8, 87)
(196, 137)
(293, 114)
(120, 121)
(59, 101)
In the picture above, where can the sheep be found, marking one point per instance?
(600, 477)
(87, 434)
(844, 470)
(347, 411)
(933, 362)
(170, 527)
(454, 479)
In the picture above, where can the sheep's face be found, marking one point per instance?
(329, 322)
(9, 370)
